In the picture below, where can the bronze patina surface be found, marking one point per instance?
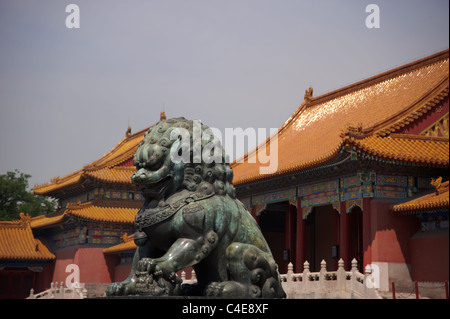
(191, 217)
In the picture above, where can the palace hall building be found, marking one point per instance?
(362, 172)
(346, 159)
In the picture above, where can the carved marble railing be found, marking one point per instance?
(339, 284)
(55, 292)
(190, 281)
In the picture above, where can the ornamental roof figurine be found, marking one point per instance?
(308, 95)
(436, 183)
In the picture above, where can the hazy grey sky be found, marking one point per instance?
(68, 95)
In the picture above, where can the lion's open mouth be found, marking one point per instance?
(156, 190)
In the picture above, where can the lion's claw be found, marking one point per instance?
(146, 265)
(158, 272)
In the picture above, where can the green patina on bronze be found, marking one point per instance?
(191, 217)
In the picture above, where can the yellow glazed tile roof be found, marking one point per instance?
(106, 167)
(48, 219)
(18, 243)
(116, 174)
(127, 245)
(436, 200)
(102, 214)
(406, 148)
(120, 153)
(313, 134)
(378, 106)
(88, 211)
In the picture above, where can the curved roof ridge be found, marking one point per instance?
(104, 161)
(316, 130)
(405, 148)
(108, 214)
(422, 106)
(403, 69)
(360, 85)
(97, 164)
(428, 202)
(17, 242)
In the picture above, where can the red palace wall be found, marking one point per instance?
(429, 255)
(391, 234)
(397, 239)
(121, 272)
(94, 267)
(45, 278)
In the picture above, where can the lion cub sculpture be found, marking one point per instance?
(191, 217)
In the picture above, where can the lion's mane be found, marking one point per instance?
(214, 177)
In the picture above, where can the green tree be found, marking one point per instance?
(15, 197)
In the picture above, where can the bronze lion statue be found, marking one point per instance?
(191, 217)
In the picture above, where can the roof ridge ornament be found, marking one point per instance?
(308, 95)
(55, 180)
(78, 205)
(436, 183)
(353, 131)
(128, 132)
(25, 219)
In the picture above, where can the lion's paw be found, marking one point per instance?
(146, 266)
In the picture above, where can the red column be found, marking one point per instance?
(336, 232)
(367, 233)
(344, 236)
(290, 233)
(300, 255)
(254, 214)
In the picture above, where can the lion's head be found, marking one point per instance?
(178, 154)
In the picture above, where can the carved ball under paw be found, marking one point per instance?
(153, 284)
